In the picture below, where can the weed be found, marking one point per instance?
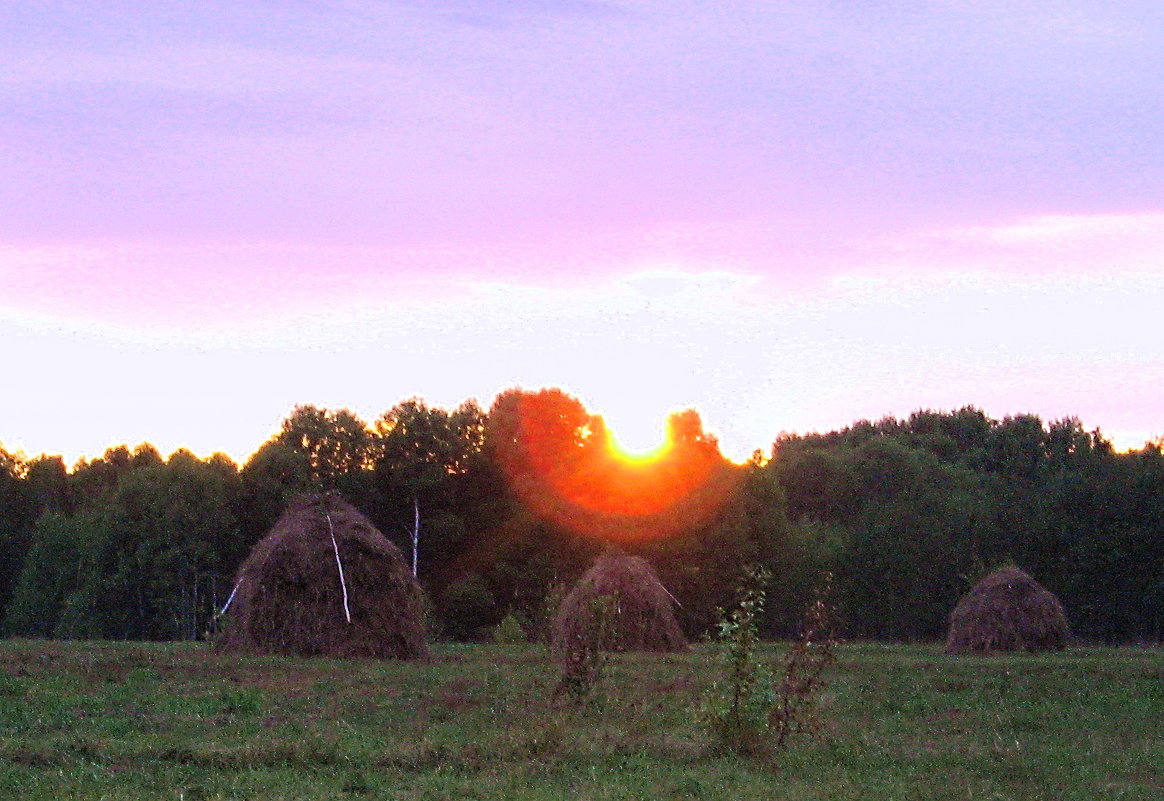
(797, 708)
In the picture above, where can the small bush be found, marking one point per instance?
(749, 711)
(510, 631)
(738, 706)
(468, 608)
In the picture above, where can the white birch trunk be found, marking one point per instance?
(340, 565)
(415, 533)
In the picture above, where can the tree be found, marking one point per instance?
(960, 436)
(15, 511)
(47, 483)
(536, 436)
(270, 478)
(150, 559)
(1016, 447)
(93, 480)
(335, 443)
(909, 524)
(572, 493)
(46, 576)
(422, 452)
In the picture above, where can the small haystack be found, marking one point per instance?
(637, 609)
(1007, 611)
(325, 582)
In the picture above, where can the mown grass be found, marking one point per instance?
(179, 721)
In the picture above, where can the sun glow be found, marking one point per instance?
(568, 467)
(638, 450)
(637, 438)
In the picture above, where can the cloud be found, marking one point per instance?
(1141, 230)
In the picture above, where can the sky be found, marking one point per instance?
(789, 216)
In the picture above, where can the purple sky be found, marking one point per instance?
(790, 215)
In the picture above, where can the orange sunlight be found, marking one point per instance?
(638, 450)
(636, 433)
(568, 468)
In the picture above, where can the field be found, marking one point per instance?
(178, 721)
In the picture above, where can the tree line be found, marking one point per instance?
(511, 504)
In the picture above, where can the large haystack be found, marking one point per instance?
(289, 597)
(618, 605)
(1007, 611)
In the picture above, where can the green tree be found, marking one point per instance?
(91, 480)
(47, 483)
(902, 526)
(59, 563)
(423, 455)
(180, 539)
(148, 560)
(273, 475)
(336, 444)
(15, 522)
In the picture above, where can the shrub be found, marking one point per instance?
(749, 711)
(738, 705)
(468, 609)
(509, 631)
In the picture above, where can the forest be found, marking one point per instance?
(511, 504)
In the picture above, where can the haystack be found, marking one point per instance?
(621, 602)
(1007, 611)
(325, 582)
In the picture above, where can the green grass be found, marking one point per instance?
(179, 721)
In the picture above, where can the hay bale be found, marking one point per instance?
(289, 598)
(1007, 611)
(637, 609)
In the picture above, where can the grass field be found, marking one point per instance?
(177, 721)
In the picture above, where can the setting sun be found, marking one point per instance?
(640, 448)
(638, 436)
(637, 455)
